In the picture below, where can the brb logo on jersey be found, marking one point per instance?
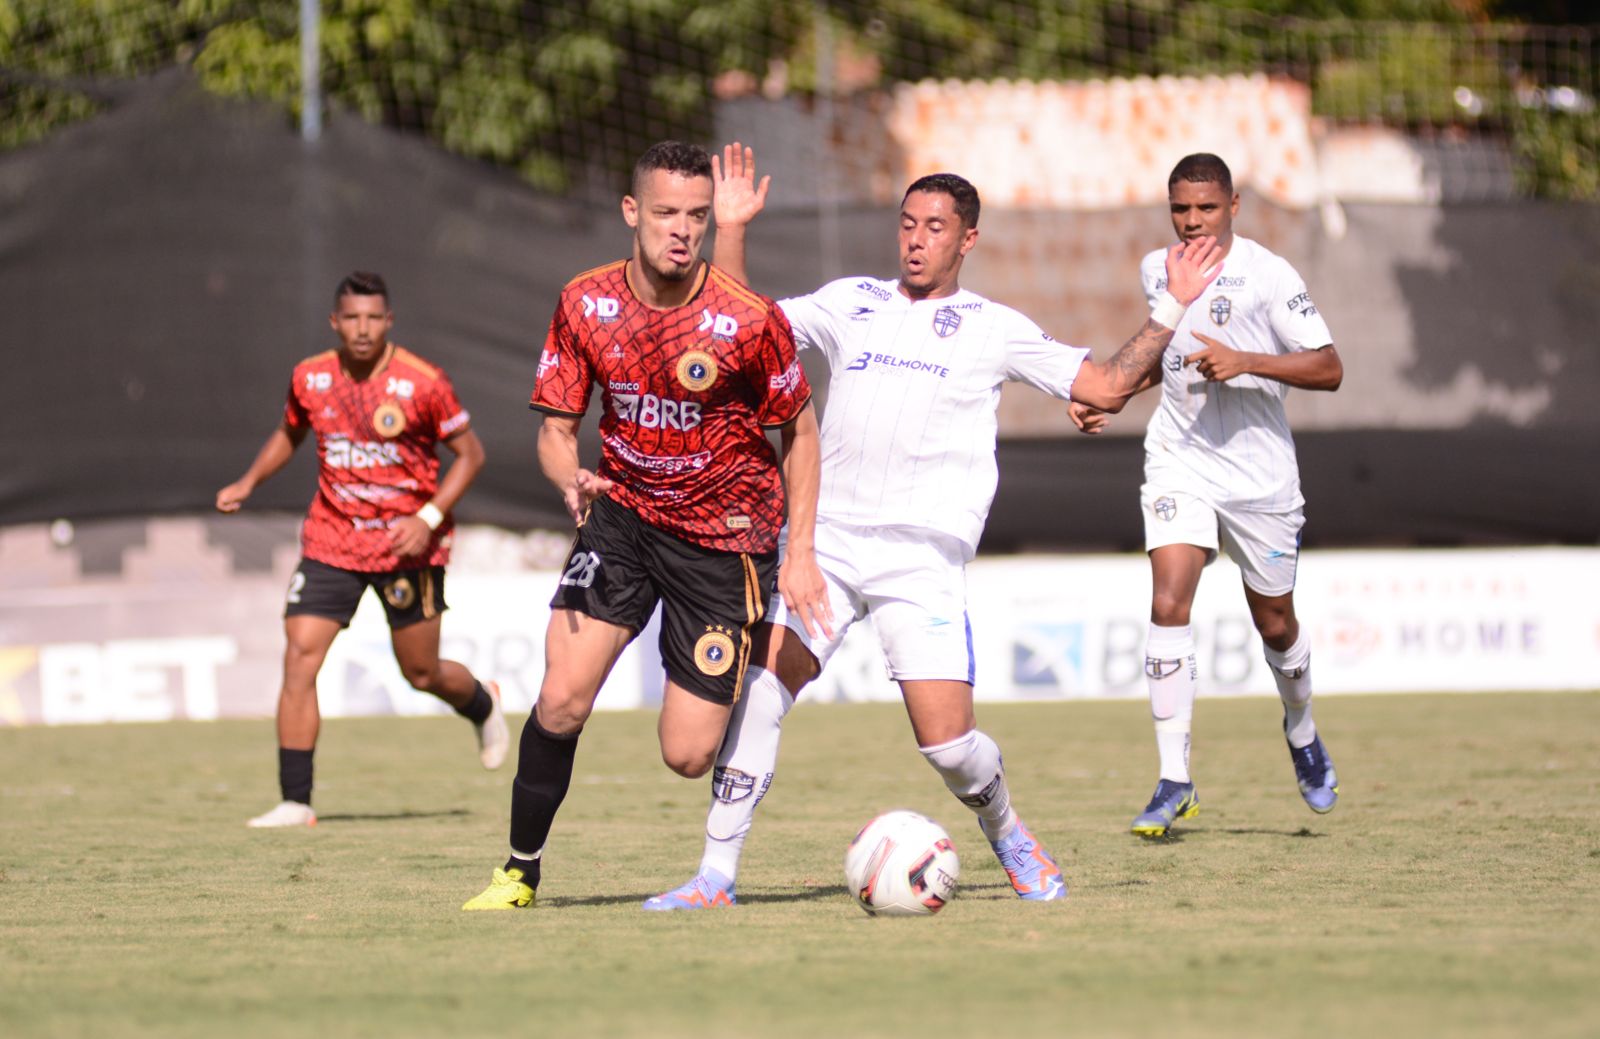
(697, 370)
(339, 453)
(605, 308)
(721, 326)
(1221, 310)
(945, 322)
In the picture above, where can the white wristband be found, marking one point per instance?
(430, 515)
(1168, 311)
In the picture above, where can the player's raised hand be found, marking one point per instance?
(1087, 418)
(805, 592)
(232, 496)
(586, 487)
(1190, 267)
(1218, 362)
(737, 196)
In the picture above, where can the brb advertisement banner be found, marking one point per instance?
(1044, 628)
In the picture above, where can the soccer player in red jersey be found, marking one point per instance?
(686, 504)
(380, 519)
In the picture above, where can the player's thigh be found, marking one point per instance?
(917, 597)
(604, 597)
(796, 654)
(416, 649)
(319, 590)
(940, 710)
(711, 605)
(690, 728)
(412, 596)
(307, 639)
(1174, 515)
(1266, 547)
(579, 652)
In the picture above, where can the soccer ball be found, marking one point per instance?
(901, 864)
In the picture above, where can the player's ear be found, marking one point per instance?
(630, 210)
(969, 239)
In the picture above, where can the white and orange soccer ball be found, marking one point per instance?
(902, 864)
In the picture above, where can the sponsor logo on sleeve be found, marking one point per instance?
(454, 422)
(1302, 305)
(875, 290)
(787, 380)
(549, 361)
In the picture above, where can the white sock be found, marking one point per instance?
(971, 767)
(1291, 670)
(744, 768)
(1171, 676)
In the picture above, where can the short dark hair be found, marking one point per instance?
(1202, 168)
(361, 283)
(691, 160)
(960, 190)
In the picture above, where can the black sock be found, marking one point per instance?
(544, 771)
(478, 708)
(294, 774)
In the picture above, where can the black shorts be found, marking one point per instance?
(620, 567)
(408, 596)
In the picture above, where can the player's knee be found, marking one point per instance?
(794, 666)
(1169, 609)
(690, 763)
(423, 677)
(1276, 629)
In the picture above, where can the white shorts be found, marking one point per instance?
(913, 583)
(1265, 545)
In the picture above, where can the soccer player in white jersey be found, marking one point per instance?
(908, 474)
(1220, 470)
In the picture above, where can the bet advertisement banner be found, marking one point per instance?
(1044, 628)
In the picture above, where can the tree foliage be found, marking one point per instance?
(565, 90)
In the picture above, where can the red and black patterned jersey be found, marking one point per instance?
(687, 393)
(376, 441)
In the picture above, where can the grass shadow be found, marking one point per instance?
(745, 899)
(388, 817)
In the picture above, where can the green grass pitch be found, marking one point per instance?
(1452, 893)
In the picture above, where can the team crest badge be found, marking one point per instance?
(945, 322)
(1221, 310)
(697, 370)
(389, 420)
(729, 785)
(713, 654)
(1166, 508)
(400, 593)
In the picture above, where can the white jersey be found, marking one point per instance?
(909, 427)
(1230, 440)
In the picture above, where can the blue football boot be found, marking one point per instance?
(1171, 801)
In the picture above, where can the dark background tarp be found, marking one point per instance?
(163, 266)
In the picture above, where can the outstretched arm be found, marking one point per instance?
(737, 200)
(800, 579)
(1319, 369)
(1109, 386)
(274, 455)
(409, 535)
